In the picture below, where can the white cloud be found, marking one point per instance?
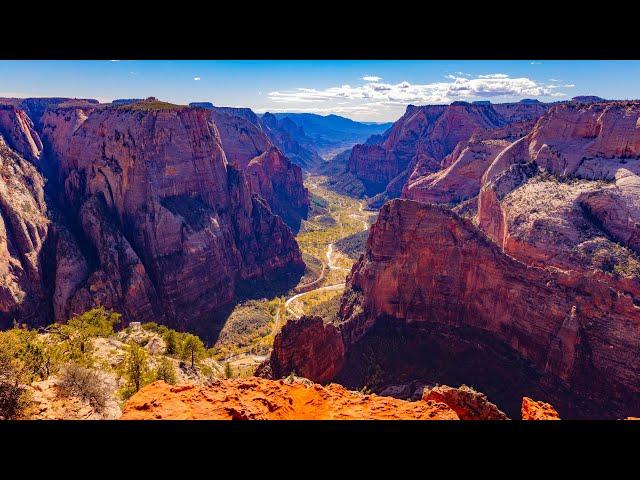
(536, 63)
(456, 88)
(196, 79)
(371, 78)
(114, 60)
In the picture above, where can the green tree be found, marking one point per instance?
(193, 349)
(166, 372)
(228, 372)
(14, 396)
(172, 339)
(135, 369)
(79, 330)
(41, 357)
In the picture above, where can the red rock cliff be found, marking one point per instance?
(172, 225)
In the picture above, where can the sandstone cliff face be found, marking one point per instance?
(271, 174)
(424, 136)
(24, 227)
(567, 194)
(259, 399)
(425, 265)
(17, 129)
(171, 225)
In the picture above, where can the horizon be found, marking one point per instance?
(363, 91)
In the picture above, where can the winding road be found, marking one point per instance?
(332, 266)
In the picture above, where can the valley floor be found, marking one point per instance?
(331, 240)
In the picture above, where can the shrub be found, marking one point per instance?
(85, 383)
(174, 345)
(228, 372)
(79, 330)
(166, 372)
(135, 370)
(14, 397)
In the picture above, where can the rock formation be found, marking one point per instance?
(259, 399)
(143, 212)
(540, 285)
(424, 136)
(24, 227)
(466, 402)
(17, 129)
(172, 224)
(271, 174)
(532, 410)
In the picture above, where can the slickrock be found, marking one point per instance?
(260, 399)
(533, 410)
(568, 193)
(172, 225)
(461, 179)
(466, 402)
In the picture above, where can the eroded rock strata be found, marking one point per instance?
(538, 285)
(143, 212)
(424, 136)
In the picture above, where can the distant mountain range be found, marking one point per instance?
(332, 133)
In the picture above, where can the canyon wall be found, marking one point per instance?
(539, 284)
(143, 213)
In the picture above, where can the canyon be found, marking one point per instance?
(513, 267)
(504, 255)
(137, 208)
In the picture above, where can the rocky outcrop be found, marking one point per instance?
(466, 402)
(567, 193)
(259, 399)
(307, 347)
(24, 229)
(271, 174)
(532, 410)
(461, 179)
(427, 267)
(424, 136)
(279, 182)
(171, 226)
(17, 129)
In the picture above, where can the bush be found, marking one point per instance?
(135, 370)
(85, 383)
(14, 396)
(166, 372)
(78, 332)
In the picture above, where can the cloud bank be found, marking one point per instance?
(456, 88)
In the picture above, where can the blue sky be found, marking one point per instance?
(362, 90)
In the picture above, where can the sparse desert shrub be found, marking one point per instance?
(79, 330)
(166, 372)
(14, 397)
(135, 370)
(228, 372)
(85, 383)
